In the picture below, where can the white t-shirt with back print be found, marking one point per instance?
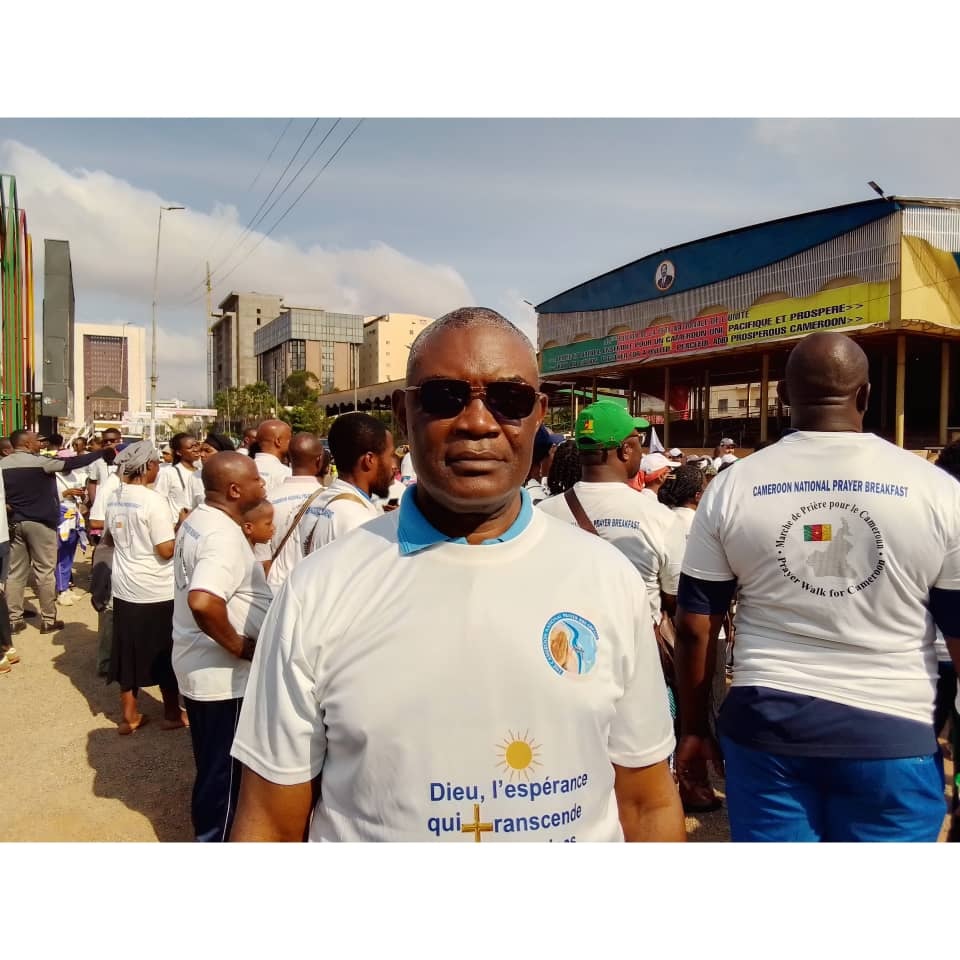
(213, 555)
(437, 695)
(836, 540)
(644, 530)
(326, 521)
(138, 520)
(287, 500)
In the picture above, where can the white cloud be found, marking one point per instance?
(111, 226)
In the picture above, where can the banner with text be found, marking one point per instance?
(845, 308)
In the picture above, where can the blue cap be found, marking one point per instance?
(544, 441)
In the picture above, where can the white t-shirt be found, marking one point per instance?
(213, 555)
(836, 540)
(175, 486)
(327, 521)
(98, 512)
(287, 501)
(195, 488)
(685, 515)
(98, 471)
(445, 706)
(408, 473)
(138, 520)
(272, 470)
(644, 530)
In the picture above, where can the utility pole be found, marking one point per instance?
(209, 326)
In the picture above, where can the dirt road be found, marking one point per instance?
(69, 775)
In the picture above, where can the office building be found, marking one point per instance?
(304, 338)
(386, 344)
(231, 361)
(109, 371)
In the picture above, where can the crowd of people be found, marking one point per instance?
(503, 633)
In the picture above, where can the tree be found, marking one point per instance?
(308, 417)
(300, 388)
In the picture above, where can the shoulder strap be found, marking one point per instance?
(340, 496)
(579, 514)
(296, 521)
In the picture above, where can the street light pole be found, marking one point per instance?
(153, 358)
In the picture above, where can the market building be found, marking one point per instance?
(701, 318)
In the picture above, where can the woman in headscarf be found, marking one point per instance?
(138, 522)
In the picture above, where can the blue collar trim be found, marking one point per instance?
(416, 533)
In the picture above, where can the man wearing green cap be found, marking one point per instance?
(610, 446)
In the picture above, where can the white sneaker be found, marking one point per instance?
(65, 599)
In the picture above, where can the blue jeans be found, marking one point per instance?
(779, 799)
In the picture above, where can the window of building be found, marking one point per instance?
(722, 405)
(742, 404)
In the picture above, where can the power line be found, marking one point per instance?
(246, 230)
(283, 215)
(253, 183)
(290, 183)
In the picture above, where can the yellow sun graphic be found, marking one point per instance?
(517, 754)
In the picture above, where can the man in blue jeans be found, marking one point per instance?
(846, 553)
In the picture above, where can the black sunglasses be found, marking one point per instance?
(505, 399)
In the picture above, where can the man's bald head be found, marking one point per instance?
(306, 455)
(231, 481)
(459, 320)
(273, 437)
(829, 373)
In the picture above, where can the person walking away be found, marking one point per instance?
(369, 720)
(291, 500)
(844, 571)
(681, 493)
(220, 599)
(31, 493)
(363, 447)
(273, 444)
(565, 470)
(139, 526)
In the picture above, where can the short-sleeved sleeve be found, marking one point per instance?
(641, 733)
(705, 557)
(161, 529)
(280, 734)
(949, 576)
(218, 570)
(676, 542)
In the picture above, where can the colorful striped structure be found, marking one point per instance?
(17, 398)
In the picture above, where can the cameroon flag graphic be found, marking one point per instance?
(818, 533)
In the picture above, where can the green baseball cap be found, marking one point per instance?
(605, 425)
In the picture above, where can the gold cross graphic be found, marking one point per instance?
(476, 828)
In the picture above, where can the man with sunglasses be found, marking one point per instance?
(464, 668)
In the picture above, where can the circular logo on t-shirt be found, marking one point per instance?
(570, 644)
(831, 549)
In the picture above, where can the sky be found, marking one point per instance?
(420, 215)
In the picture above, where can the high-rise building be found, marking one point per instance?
(109, 371)
(386, 344)
(59, 305)
(231, 361)
(305, 338)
